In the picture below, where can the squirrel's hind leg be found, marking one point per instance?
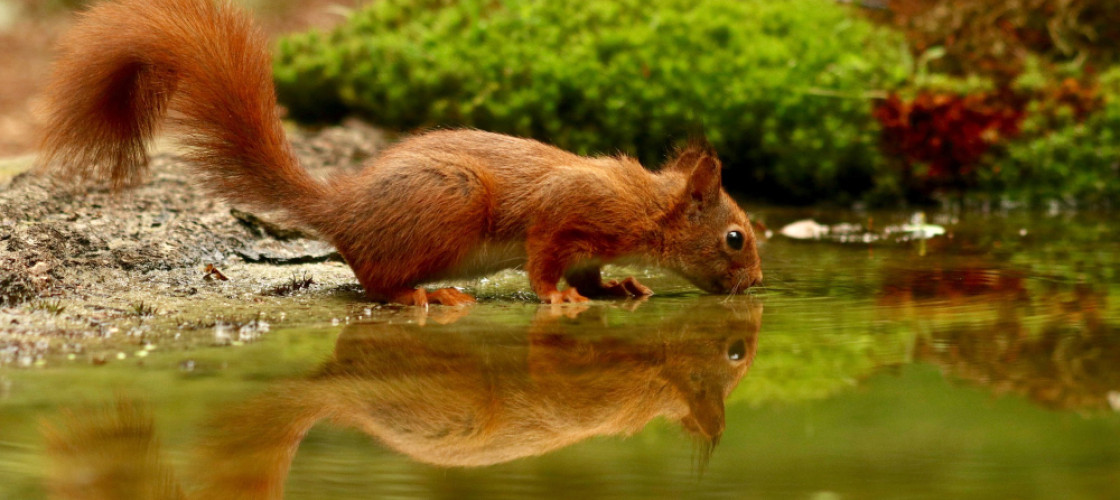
(409, 221)
(450, 297)
(421, 297)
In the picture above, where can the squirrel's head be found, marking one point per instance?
(708, 238)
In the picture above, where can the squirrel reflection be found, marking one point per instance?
(467, 396)
(461, 398)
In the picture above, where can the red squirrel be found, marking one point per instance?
(445, 204)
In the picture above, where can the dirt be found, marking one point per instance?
(79, 265)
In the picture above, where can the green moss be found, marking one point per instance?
(1061, 159)
(779, 87)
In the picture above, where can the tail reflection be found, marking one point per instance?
(106, 454)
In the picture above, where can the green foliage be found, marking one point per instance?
(142, 310)
(52, 307)
(779, 87)
(1062, 157)
(64, 4)
(998, 38)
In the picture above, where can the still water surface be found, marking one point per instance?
(982, 363)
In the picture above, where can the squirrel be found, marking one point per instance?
(445, 204)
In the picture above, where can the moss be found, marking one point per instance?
(779, 87)
(1063, 158)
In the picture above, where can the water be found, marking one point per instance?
(983, 363)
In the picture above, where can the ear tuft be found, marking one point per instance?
(705, 181)
(685, 158)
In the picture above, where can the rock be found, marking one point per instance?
(807, 229)
(299, 251)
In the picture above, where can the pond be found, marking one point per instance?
(979, 363)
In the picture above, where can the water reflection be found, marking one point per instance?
(459, 395)
(1066, 359)
(1050, 344)
(108, 454)
(958, 284)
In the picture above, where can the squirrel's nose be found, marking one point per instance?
(746, 278)
(754, 278)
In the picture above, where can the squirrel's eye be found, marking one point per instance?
(737, 350)
(735, 240)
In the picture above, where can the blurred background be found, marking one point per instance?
(998, 102)
(29, 28)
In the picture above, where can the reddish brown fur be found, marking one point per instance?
(445, 204)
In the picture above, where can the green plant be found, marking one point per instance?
(142, 310)
(998, 38)
(1068, 151)
(52, 307)
(779, 87)
(291, 286)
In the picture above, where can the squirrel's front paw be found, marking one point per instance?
(570, 294)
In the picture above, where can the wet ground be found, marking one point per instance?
(883, 358)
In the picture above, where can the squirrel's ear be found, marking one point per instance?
(706, 413)
(684, 160)
(704, 181)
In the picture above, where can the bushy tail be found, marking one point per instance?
(127, 63)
